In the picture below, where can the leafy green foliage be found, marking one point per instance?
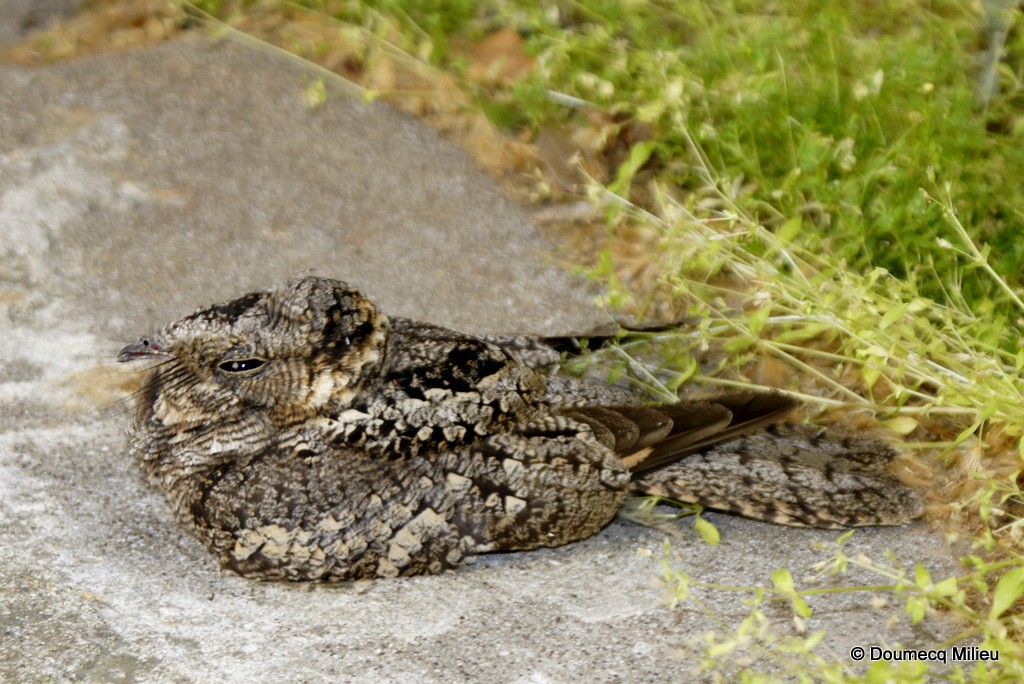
(832, 111)
(793, 657)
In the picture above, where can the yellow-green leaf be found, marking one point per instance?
(946, 587)
(814, 639)
(870, 374)
(790, 229)
(706, 530)
(1008, 590)
(783, 580)
(757, 320)
(892, 315)
(738, 344)
(901, 425)
(638, 156)
(916, 608)
(921, 576)
(800, 607)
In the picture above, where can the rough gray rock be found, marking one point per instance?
(136, 187)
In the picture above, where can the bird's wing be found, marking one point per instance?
(648, 437)
(716, 452)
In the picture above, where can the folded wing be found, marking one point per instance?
(723, 453)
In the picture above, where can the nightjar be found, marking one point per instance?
(303, 434)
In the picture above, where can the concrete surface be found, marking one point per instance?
(136, 187)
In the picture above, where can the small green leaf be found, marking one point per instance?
(638, 156)
(843, 537)
(706, 530)
(922, 578)
(800, 607)
(870, 374)
(892, 315)
(804, 331)
(901, 425)
(946, 587)
(814, 639)
(783, 580)
(738, 344)
(790, 229)
(1008, 590)
(757, 320)
(915, 608)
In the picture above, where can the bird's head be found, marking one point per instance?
(304, 348)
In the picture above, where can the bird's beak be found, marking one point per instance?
(144, 349)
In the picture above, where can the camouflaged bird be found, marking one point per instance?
(305, 435)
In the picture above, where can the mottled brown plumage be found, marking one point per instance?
(305, 435)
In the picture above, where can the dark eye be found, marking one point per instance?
(241, 365)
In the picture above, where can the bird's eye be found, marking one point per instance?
(241, 365)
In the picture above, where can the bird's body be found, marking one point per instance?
(305, 435)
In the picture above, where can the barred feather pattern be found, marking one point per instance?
(303, 434)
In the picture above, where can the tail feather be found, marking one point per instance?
(791, 476)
